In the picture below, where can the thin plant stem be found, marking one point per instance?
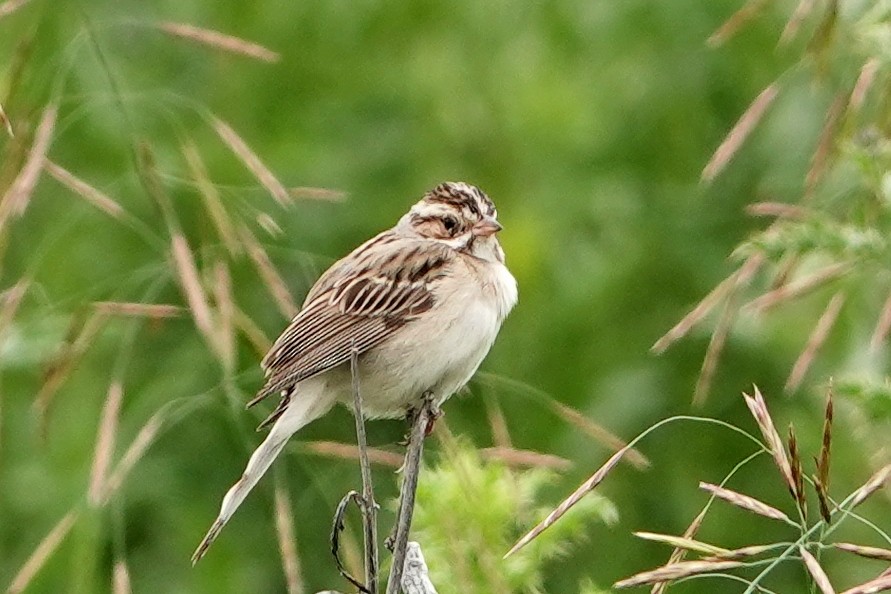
(369, 506)
(409, 487)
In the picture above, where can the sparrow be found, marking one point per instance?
(421, 303)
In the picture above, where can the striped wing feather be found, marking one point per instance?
(358, 303)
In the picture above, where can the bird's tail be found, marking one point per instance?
(302, 410)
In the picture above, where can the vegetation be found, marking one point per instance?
(174, 176)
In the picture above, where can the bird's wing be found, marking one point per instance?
(357, 304)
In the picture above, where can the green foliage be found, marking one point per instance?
(469, 513)
(587, 122)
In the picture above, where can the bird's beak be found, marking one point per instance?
(488, 226)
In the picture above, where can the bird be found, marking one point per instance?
(420, 303)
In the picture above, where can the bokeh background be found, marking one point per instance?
(588, 123)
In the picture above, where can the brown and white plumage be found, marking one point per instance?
(421, 303)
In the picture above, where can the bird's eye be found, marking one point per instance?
(450, 224)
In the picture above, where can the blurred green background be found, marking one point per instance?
(588, 123)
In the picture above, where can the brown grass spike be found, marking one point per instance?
(797, 472)
(713, 352)
(15, 200)
(569, 502)
(676, 571)
(738, 278)
(882, 326)
(10, 6)
(799, 287)
(253, 163)
(815, 341)
(284, 525)
(801, 12)
(525, 458)
(269, 274)
(211, 198)
(105, 440)
(862, 86)
(120, 579)
(880, 584)
(739, 133)
(758, 408)
(868, 552)
(745, 502)
(93, 196)
(737, 21)
(598, 432)
(817, 573)
(44, 550)
(825, 145)
(876, 482)
(220, 41)
(139, 310)
(678, 554)
(7, 125)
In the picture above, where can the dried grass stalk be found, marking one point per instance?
(876, 482)
(676, 571)
(598, 432)
(250, 159)
(80, 338)
(10, 6)
(284, 522)
(139, 310)
(739, 278)
(44, 550)
(4, 120)
(758, 408)
(813, 567)
(268, 224)
(678, 554)
(325, 194)
(105, 440)
(498, 424)
(268, 274)
(742, 553)
(95, 197)
(797, 472)
(525, 458)
(12, 298)
(220, 41)
(823, 462)
(347, 451)
(882, 326)
(862, 86)
(739, 132)
(713, 353)
(880, 584)
(211, 198)
(779, 210)
(737, 20)
(567, 504)
(187, 272)
(222, 290)
(681, 542)
(120, 583)
(868, 552)
(15, 200)
(745, 502)
(799, 287)
(134, 453)
(823, 499)
(802, 11)
(825, 145)
(250, 330)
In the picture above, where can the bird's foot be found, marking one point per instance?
(428, 400)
